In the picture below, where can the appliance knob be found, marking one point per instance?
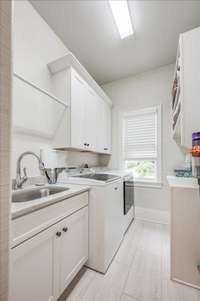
(58, 233)
(85, 144)
(65, 229)
(88, 144)
(116, 188)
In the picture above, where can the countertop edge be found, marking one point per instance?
(181, 182)
(50, 201)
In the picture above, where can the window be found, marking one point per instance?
(142, 144)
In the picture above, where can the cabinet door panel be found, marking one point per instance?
(90, 117)
(73, 246)
(33, 269)
(100, 126)
(103, 128)
(108, 128)
(78, 95)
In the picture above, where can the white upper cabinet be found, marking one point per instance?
(86, 125)
(77, 112)
(90, 119)
(82, 114)
(104, 127)
(186, 88)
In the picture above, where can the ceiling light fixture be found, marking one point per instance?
(122, 17)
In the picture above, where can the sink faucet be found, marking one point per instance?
(20, 180)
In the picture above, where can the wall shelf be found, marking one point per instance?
(36, 111)
(40, 89)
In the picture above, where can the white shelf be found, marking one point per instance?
(182, 182)
(39, 89)
(36, 112)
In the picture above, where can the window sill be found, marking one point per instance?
(147, 184)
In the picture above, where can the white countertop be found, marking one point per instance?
(21, 208)
(174, 181)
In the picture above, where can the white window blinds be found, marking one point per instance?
(140, 134)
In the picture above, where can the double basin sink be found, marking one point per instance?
(31, 194)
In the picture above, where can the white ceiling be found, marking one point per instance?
(88, 30)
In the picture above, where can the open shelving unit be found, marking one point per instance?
(36, 111)
(177, 97)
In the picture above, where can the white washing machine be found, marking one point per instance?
(106, 215)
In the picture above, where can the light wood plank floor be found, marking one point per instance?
(139, 272)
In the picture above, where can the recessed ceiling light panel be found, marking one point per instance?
(122, 18)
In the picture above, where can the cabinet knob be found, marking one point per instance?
(116, 188)
(65, 229)
(58, 233)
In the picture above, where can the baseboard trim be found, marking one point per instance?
(152, 215)
(186, 283)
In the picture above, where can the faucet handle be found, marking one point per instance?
(25, 173)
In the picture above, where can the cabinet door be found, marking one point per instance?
(33, 268)
(107, 128)
(100, 126)
(78, 96)
(185, 239)
(90, 117)
(73, 246)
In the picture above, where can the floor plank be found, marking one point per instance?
(125, 297)
(139, 272)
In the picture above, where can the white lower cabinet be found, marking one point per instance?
(33, 268)
(73, 246)
(185, 239)
(44, 265)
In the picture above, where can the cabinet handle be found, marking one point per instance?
(58, 233)
(65, 229)
(116, 188)
(105, 148)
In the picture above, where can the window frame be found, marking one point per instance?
(143, 182)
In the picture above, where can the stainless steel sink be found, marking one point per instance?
(35, 193)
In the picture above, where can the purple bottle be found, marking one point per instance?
(196, 139)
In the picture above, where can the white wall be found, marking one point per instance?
(35, 45)
(134, 93)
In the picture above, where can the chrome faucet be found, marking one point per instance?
(20, 180)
